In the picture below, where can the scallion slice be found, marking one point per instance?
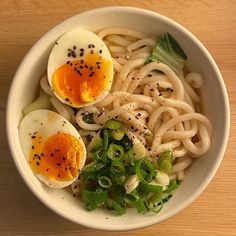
(104, 182)
(96, 197)
(113, 124)
(115, 151)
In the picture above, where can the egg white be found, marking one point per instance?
(47, 123)
(81, 38)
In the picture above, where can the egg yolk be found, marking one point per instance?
(56, 158)
(81, 81)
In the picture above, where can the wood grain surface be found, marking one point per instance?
(23, 22)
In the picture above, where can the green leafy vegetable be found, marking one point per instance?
(169, 52)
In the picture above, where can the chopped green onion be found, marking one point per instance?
(145, 170)
(165, 161)
(150, 188)
(158, 207)
(169, 52)
(97, 155)
(91, 167)
(118, 179)
(118, 134)
(113, 124)
(118, 193)
(141, 208)
(96, 197)
(104, 182)
(105, 138)
(139, 151)
(114, 205)
(115, 151)
(154, 203)
(88, 118)
(89, 181)
(166, 199)
(126, 143)
(117, 167)
(129, 155)
(96, 143)
(91, 206)
(173, 185)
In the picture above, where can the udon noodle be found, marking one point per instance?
(160, 109)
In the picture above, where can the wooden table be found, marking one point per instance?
(23, 22)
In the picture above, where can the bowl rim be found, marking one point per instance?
(200, 188)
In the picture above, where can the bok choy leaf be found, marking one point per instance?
(169, 52)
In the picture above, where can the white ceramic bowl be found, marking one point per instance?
(215, 103)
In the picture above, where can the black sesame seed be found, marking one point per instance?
(73, 54)
(32, 146)
(67, 99)
(149, 75)
(33, 137)
(74, 47)
(91, 74)
(58, 164)
(100, 51)
(69, 54)
(68, 62)
(37, 163)
(78, 71)
(92, 52)
(51, 154)
(135, 130)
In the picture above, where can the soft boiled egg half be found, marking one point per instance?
(80, 68)
(53, 147)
